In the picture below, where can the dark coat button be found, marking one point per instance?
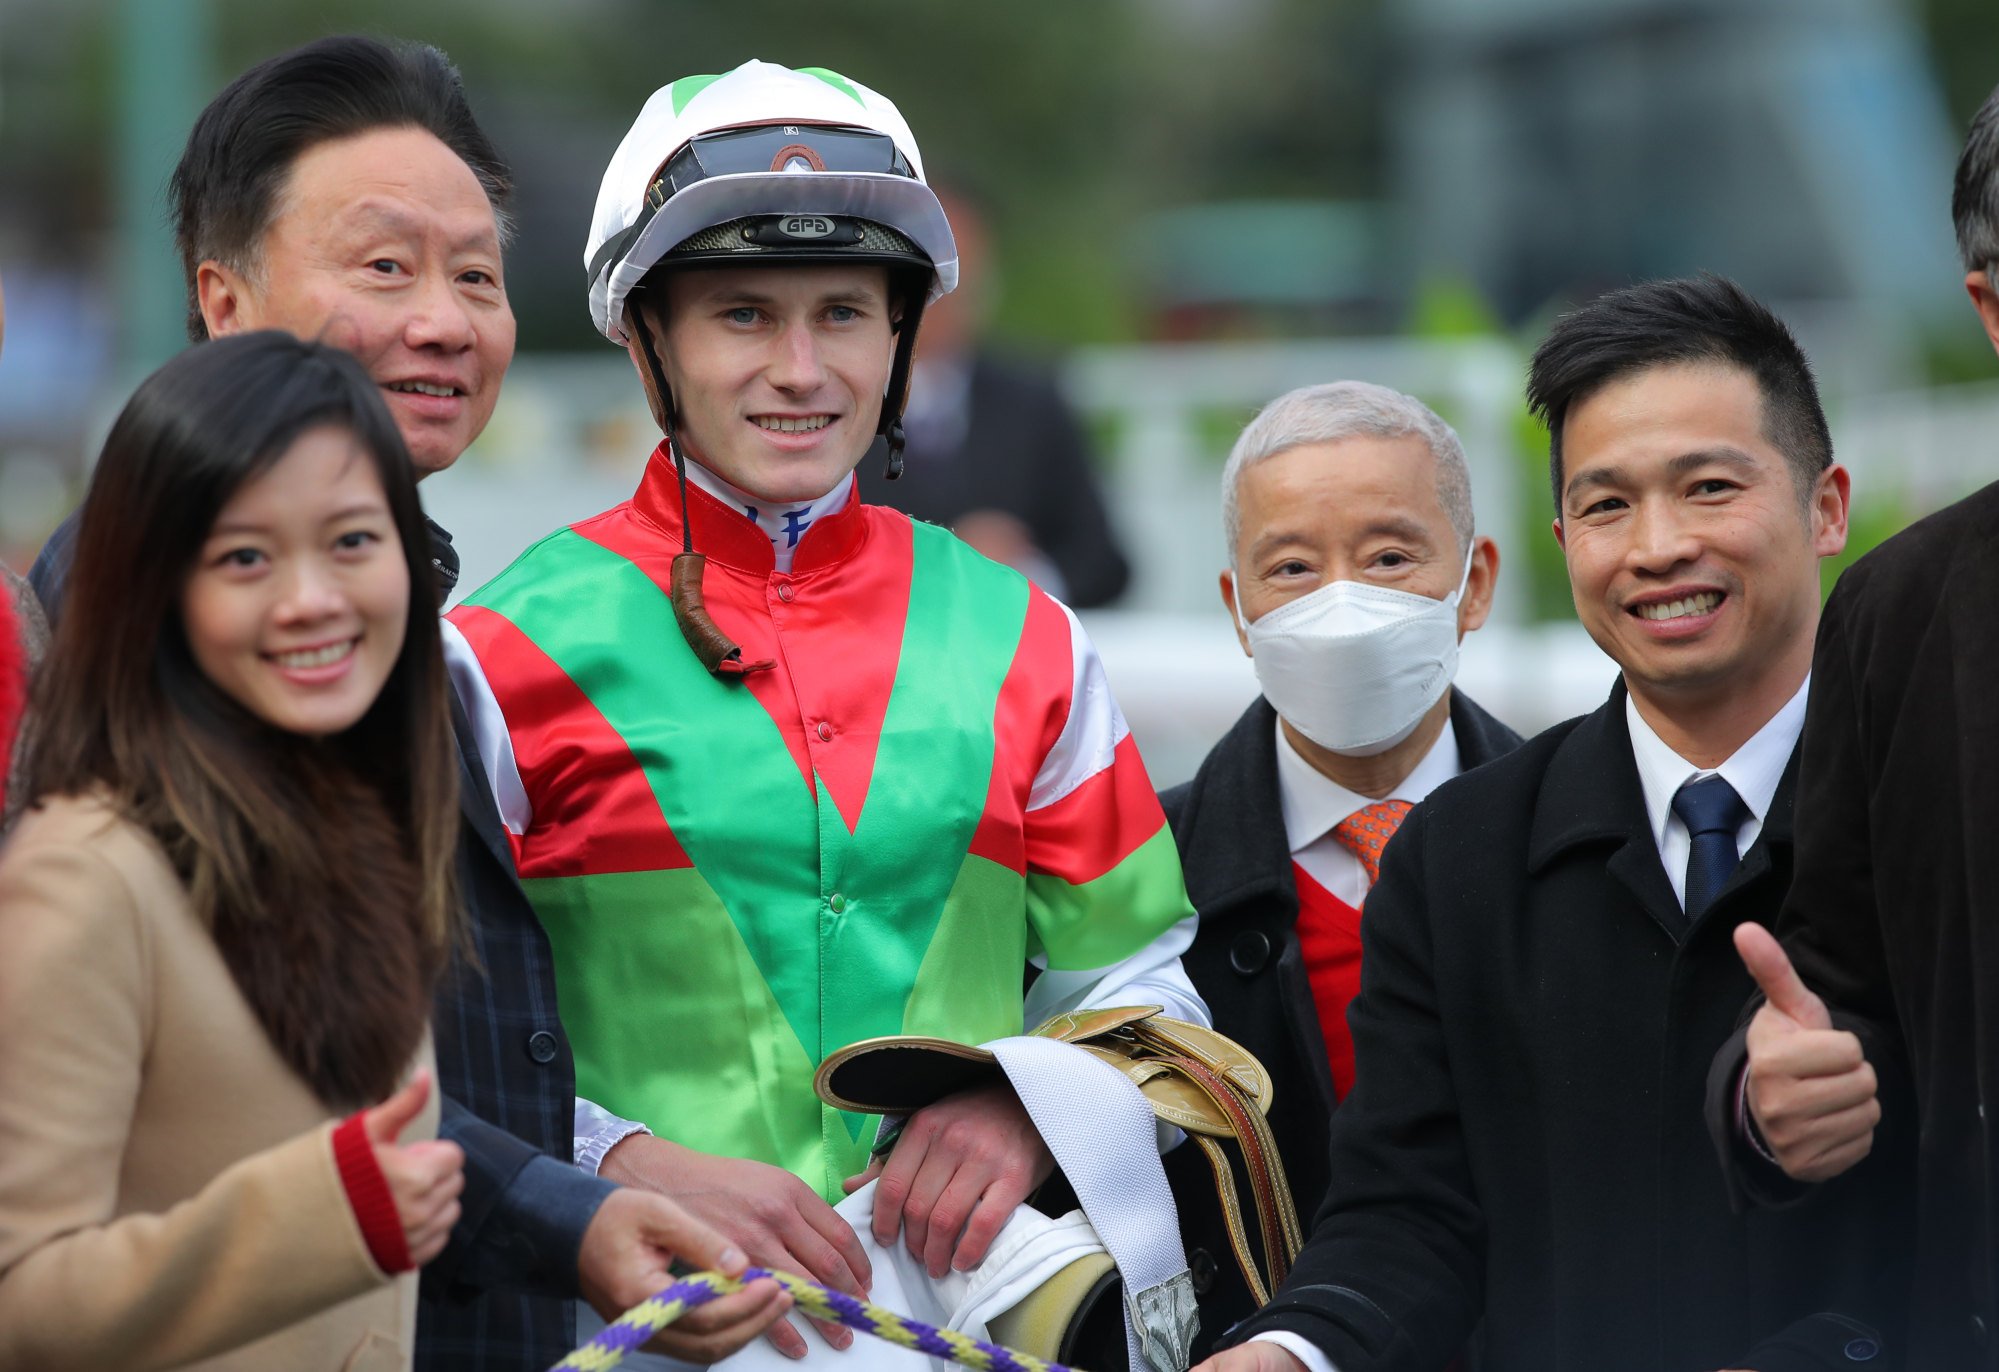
(1249, 952)
(1201, 1267)
(541, 1046)
(1862, 1350)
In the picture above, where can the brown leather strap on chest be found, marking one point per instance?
(1217, 1091)
(717, 652)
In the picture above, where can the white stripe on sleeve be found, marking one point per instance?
(1091, 733)
(1151, 976)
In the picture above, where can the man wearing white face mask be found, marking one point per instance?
(1355, 569)
(1548, 970)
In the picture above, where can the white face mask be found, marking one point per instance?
(1355, 667)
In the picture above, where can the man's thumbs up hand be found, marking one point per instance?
(1811, 1091)
(1767, 962)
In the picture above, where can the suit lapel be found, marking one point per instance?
(1238, 863)
(1234, 847)
(1591, 798)
(1481, 738)
(475, 793)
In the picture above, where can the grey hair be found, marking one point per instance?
(1334, 410)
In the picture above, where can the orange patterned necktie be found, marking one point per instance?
(1367, 830)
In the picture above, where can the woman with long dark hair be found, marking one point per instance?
(221, 918)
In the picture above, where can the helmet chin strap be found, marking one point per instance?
(897, 396)
(895, 442)
(720, 654)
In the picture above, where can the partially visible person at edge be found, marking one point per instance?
(13, 684)
(1546, 963)
(1877, 1022)
(1355, 568)
(19, 651)
(996, 453)
(23, 636)
(252, 668)
(343, 191)
(868, 785)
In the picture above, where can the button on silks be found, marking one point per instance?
(838, 903)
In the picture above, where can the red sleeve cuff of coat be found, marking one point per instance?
(368, 1192)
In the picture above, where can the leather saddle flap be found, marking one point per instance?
(902, 1073)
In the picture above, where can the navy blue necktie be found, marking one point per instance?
(1712, 813)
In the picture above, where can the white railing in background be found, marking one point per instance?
(1164, 477)
(572, 433)
(1919, 450)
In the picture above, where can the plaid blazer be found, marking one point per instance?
(505, 1068)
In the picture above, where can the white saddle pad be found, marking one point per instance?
(1029, 1250)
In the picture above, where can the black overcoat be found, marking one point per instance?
(1894, 916)
(1524, 1143)
(1229, 825)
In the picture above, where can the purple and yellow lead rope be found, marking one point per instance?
(642, 1321)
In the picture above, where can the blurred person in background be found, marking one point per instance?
(23, 636)
(13, 690)
(344, 192)
(1880, 999)
(1547, 970)
(995, 451)
(1355, 569)
(785, 770)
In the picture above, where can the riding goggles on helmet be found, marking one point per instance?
(786, 149)
(802, 164)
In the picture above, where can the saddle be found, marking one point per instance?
(1193, 1078)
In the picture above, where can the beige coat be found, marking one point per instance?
(168, 1194)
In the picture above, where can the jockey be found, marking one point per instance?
(783, 770)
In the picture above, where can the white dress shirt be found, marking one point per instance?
(1313, 803)
(1754, 770)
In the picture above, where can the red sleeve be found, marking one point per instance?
(368, 1193)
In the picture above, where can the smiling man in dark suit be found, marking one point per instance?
(1547, 969)
(1344, 505)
